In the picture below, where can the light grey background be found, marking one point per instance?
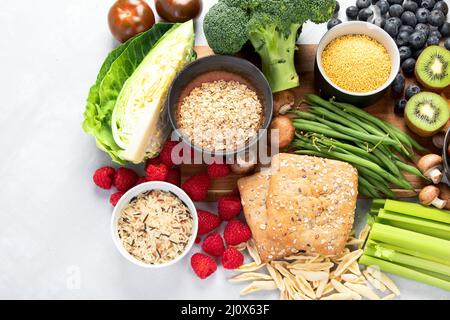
(54, 226)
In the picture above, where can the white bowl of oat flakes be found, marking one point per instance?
(154, 224)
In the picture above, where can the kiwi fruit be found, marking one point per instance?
(426, 113)
(433, 68)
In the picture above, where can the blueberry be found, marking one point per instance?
(391, 2)
(408, 66)
(379, 21)
(362, 4)
(365, 14)
(445, 29)
(411, 90)
(352, 12)
(447, 44)
(399, 107)
(435, 33)
(436, 18)
(391, 28)
(428, 4)
(336, 10)
(410, 5)
(402, 38)
(417, 53)
(384, 6)
(441, 6)
(333, 23)
(399, 84)
(417, 40)
(405, 53)
(395, 10)
(422, 15)
(423, 28)
(409, 18)
(433, 41)
(406, 28)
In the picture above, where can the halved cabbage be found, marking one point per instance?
(138, 124)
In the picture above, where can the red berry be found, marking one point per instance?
(197, 187)
(104, 177)
(125, 179)
(198, 239)
(141, 180)
(216, 170)
(207, 222)
(236, 232)
(153, 161)
(166, 153)
(203, 265)
(232, 258)
(157, 172)
(115, 197)
(229, 207)
(213, 245)
(174, 176)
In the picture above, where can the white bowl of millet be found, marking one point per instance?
(154, 224)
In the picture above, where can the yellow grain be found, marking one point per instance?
(356, 63)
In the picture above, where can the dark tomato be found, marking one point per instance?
(178, 10)
(127, 18)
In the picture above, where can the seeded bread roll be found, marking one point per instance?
(309, 206)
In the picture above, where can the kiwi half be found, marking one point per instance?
(426, 113)
(433, 68)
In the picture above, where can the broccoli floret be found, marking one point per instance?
(272, 26)
(225, 28)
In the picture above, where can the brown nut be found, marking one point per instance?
(283, 102)
(286, 131)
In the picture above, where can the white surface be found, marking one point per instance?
(55, 224)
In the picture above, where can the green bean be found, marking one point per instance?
(368, 187)
(407, 168)
(369, 173)
(351, 132)
(407, 137)
(319, 111)
(382, 188)
(387, 162)
(313, 127)
(368, 164)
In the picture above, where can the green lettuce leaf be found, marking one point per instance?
(116, 69)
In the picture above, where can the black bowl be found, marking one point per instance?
(446, 158)
(241, 67)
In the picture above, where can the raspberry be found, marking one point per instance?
(213, 245)
(207, 222)
(203, 265)
(125, 179)
(236, 232)
(153, 161)
(198, 239)
(141, 180)
(166, 153)
(197, 187)
(216, 170)
(104, 177)
(157, 172)
(174, 176)
(229, 207)
(115, 197)
(232, 258)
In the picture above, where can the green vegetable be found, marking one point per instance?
(271, 26)
(125, 104)
(411, 243)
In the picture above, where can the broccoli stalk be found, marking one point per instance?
(277, 55)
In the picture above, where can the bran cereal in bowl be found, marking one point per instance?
(155, 227)
(220, 115)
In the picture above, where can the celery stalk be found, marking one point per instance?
(418, 210)
(381, 252)
(428, 227)
(378, 204)
(409, 252)
(404, 272)
(411, 240)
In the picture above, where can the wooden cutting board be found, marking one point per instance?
(383, 109)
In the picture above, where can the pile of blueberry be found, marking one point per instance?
(413, 24)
